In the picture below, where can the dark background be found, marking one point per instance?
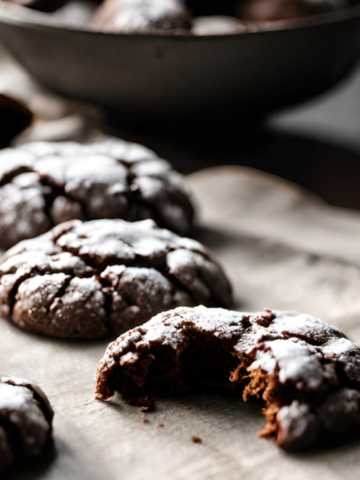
(316, 145)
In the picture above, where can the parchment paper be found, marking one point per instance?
(282, 248)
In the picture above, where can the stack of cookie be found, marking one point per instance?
(96, 248)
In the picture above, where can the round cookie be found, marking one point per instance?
(305, 372)
(86, 279)
(44, 184)
(25, 421)
(146, 16)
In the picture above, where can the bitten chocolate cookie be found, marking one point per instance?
(83, 280)
(44, 184)
(259, 11)
(142, 16)
(306, 372)
(25, 421)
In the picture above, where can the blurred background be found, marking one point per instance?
(315, 144)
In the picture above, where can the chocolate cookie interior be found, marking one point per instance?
(306, 378)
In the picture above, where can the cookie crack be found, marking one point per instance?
(107, 291)
(60, 292)
(9, 177)
(35, 272)
(14, 290)
(165, 270)
(137, 199)
(310, 341)
(59, 190)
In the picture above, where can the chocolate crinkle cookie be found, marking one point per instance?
(84, 280)
(25, 421)
(131, 16)
(306, 372)
(44, 184)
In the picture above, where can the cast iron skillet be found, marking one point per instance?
(186, 77)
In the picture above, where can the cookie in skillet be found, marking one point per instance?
(25, 421)
(44, 184)
(145, 16)
(86, 279)
(305, 371)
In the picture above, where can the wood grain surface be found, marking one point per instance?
(282, 248)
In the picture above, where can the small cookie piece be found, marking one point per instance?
(306, 372)
(85, 279)
(25, 421)
(259, 11)
(146, 16)
(43, 184)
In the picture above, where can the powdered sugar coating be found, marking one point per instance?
(142, 16)
(295, 360)
(297, 363)
(22, 209)
(43, 184)
(25, 408)
(298, 426)
(85, 279)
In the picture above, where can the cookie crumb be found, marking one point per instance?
(161, 425)
(145, 403)
(196, 439)
(145, 420)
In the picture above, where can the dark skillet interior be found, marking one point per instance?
(242, 76)
(211, 7)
